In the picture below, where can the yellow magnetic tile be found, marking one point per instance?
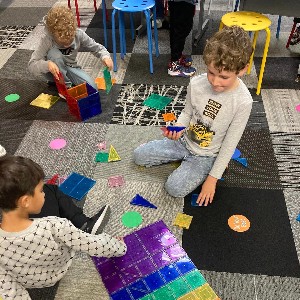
(189, 296)
(205, 292)
(183, 220)
(44, 101)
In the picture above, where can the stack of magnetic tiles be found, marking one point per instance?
(155, 267)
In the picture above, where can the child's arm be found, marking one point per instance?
(38, 63)
(97, 49)
(94, 245)
(10, 289)
(232, 138)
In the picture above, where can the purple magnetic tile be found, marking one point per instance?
(131, 242)
(99, 260)
(154, 281)
(130, 274)
(123, 261)
(113, 283)
(168, 239)
(140, 253)
(146, 266)
(175, 252)
(107, 268)
(184, 265)
(122, 294)
(153, 245)
(169, 273)
(161, 259)
(152, 230)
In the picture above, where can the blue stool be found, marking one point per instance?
(133, 6)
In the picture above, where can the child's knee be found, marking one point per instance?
(139, 156)
(174, 188)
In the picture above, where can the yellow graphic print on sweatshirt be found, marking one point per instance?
(200, 134)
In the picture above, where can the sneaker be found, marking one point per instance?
(185, 61)
(295, 41)
(175, 69)
(2, 151)
(96, 224)
(298, 78)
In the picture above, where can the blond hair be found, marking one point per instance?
(229, 49)
(61, 22)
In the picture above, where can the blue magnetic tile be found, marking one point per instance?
(194, 200)
(139, 200)
(154, 281)
(175, 128)
(236, 154)
(122, 294)
(184, 265)
(169, 273)
(77, 186)
(298, 218)
(138, 289)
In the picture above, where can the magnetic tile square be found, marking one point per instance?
(122, 294)
(169, 273)
(77, 186)
(148, 297)
(116, 181)
(146, 266)
(157, 101)
(123, 261)
(175, 252)
(195, 279)
(154, 281)
(130, 274)
(107, 269)
(164, 293)
(132, 242)
(101, 157)
(189, 296)
(138, 289)
(161, 259)
(184, 265)
(205, 292)
(179, 287)
(113, 283)
(183, 220)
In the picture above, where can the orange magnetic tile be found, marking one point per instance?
(169, 117)
(101, 82)
(183, 220)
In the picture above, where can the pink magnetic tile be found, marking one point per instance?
(175, 252)
(102, 145)
(115, 181)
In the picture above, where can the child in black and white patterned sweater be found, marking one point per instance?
(36, 253)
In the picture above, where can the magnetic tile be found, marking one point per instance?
(154, 281)
(195, 279)
(161, 259)
(122, 294)
(113, 283)
(146, 266)
(175, 252)
(169, 273)
(130, 274)
(164, 293)
(205, 292)
(179, 287)
(184, 265)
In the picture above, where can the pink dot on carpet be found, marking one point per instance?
(57, 144)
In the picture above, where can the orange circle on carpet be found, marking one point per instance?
(239, 223)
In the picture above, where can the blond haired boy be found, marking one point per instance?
(218, 105)
(59, 47)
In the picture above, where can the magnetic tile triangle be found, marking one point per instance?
(139, 200)
(113, 154)
(242, 161)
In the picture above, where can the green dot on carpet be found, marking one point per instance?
(131, 219)
(12, 97)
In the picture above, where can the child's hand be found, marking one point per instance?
(173, 135)
(109, 63)
(208, 191)
(53, 68)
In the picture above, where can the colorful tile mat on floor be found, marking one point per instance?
(155, 267)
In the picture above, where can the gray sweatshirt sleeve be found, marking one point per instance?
(232, 137)
(95, 245)
(10, 289)
(95, 48)
(38, 63)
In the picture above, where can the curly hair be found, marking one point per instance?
(229, 49)
(19, 176)
(61, 22)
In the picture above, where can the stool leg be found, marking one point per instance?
(252, 55)
(278, 27)
(122, 34)
(113, 26)
(291, 35)
(77, 13)
(155, 32)
(264, 59)
(95, 4)
(104, 22)
(149, 35)
(221, 26)
(132, 27)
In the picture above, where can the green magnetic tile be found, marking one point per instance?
(179, 287)
(157, 101)
(148, 297)
(102, 157)
(195, 279)
(164, 293)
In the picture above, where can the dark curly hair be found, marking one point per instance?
(19, 176)
(229, 49)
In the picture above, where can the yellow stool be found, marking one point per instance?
(251, 21)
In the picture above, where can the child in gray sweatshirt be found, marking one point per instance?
(59, 46)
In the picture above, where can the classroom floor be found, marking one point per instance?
(260, 264)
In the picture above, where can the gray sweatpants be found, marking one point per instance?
(188, 176)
